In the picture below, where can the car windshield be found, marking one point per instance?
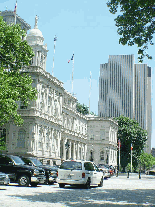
(71, 165)
(36, 162)
(17, 160)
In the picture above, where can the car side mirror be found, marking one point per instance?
(11, 163)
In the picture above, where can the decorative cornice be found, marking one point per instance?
(11, 13)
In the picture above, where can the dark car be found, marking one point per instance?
(21, 173)
(50, 171)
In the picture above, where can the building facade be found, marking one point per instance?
(125, 89)
(101, 130)
(53, 130)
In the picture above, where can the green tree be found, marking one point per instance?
(15, 86)
(129, 132)
(146, 160)
(92, 113)
(83, 109)
(136, 24)
(2, 139)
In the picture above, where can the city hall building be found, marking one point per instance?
(53, 130)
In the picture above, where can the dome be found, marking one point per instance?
(35, 32)
(35, 35)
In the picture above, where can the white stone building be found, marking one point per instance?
(53, 130)
(102, 140)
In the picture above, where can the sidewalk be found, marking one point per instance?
(131, 183)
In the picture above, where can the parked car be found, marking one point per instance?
(50, 171)
(4, 179)
(83, 173)
(21, 173)
(151, 171)
(105, 170)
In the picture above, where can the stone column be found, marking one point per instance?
(35, 60)
(74, 155)
(64, 150)
(82, 151)
(77, 151)
(69, 149)
(85, 151)
(59, 135)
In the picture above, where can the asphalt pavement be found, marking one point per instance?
(116, 191)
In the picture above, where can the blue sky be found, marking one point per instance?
(85, 27)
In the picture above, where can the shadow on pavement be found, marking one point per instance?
(70, 196)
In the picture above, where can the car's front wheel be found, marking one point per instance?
(61, 185)
(23, 180)
(87, 185)
(101, 183)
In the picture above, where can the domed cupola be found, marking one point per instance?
(35, 39)
(35, 35)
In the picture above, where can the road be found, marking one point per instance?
(116, 191)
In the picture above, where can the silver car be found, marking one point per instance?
(4, 179)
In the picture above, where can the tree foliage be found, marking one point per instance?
(3, 139)
(136, 25)
(83, 109)
(146, 160)
(15, 53)
(129, 132)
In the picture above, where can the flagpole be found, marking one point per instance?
(72, 70)
(55, 39)
(15, 11)
(89, 92)
(119, 155)
(131, 157)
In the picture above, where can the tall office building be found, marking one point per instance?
(125, 89)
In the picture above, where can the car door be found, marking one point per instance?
(6, 164)
(90, 172)
(97, 174)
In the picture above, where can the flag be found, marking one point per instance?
(131, 147)
(55, 38)
(119, 143)
(15, 10)
(72, 57)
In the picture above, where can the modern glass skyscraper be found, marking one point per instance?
(125, 89)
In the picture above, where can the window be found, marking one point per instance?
(71, 165)
(89, 166)
(4, 160)
(102, 155)
(91, 155)
(21, 138)
(96, 168)
(102, 134)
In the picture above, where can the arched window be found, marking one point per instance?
(102, 155)
(91, 155)
(21, 138)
